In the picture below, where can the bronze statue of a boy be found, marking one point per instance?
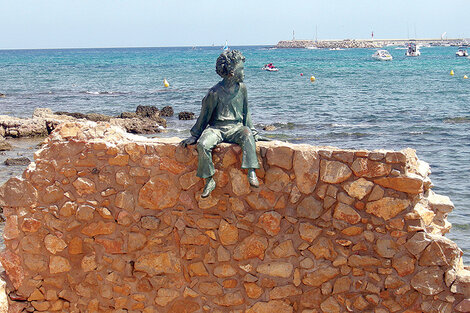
(225, 117)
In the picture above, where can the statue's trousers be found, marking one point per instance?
(213, 135)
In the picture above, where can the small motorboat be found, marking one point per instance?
(382, 55)
(270, 68)
(462, 52)
(412, 50)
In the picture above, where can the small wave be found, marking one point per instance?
(288, 125)
(457, 120)
(103, 92)
(461, 226)
(347, 134)
(419, 132)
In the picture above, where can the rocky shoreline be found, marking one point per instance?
(145, 120)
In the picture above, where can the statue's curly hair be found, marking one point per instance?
(226, 62)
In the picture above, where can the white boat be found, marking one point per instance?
(335, 49)
(311, 48)
(382, 55)
(412, 50)
(462, 52)
(270, 68)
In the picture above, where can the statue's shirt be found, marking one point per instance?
(221, 108)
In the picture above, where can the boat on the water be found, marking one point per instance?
(270, 68)
(382, 55)
(412, 50)
(336, 49)
(462, 52)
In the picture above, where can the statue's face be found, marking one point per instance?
(239, 72)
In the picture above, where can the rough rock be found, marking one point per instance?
(185, 115)
(167, 111)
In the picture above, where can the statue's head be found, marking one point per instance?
(230, 63)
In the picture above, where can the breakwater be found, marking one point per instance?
(105, 221)
(364, 43)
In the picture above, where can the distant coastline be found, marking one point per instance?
(367, 43)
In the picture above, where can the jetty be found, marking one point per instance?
(367, 43)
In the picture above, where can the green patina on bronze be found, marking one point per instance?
(225, 117)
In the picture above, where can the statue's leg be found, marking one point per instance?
(243, 136)
(210, 138)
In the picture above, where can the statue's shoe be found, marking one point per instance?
(252, 179)
(210, 185)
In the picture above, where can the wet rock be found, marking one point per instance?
(96, 117)
(139, 125)
(128, 115)
(147, 111)
(269, 127)
(4, 145)
(17, 161)
(167, 111)
(185, 115)
(74, 115)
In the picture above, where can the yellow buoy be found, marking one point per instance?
(312, 78)
(452, 72)
(465, 77)
(165, 83)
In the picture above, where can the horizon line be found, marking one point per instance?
(135, 47)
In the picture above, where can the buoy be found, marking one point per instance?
(301, 74)
(165, 83)
(452, 72)
(465, 77)
(312, 78)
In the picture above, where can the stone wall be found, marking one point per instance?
(104, 221)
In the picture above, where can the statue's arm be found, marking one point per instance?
(247, 117)
(208, 104)
(246, 113)
(207, 108)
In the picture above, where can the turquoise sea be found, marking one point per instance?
(355, 102)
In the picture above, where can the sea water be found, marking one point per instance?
(355, 102)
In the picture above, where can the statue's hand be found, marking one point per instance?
(189, 141)
(262, 138)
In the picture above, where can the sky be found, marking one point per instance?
(38, 24)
